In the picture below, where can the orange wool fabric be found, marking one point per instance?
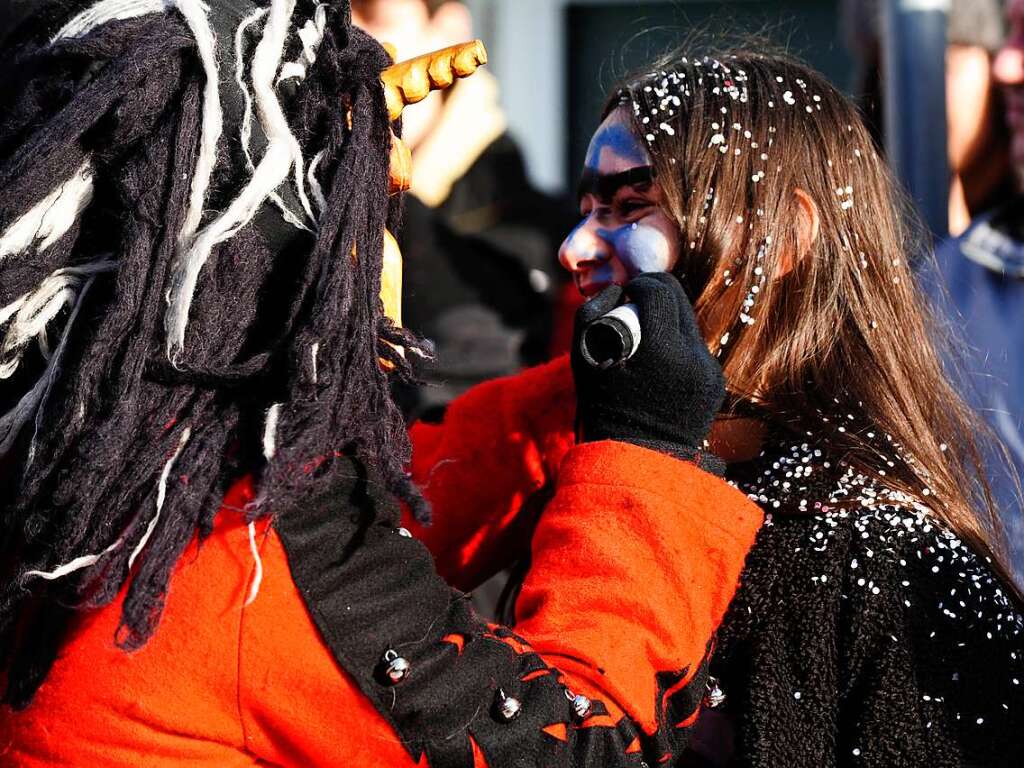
(655, 587)
(499, 443)
(218, 684)
(507, 439)
(634, 561)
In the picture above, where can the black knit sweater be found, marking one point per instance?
(863, 634)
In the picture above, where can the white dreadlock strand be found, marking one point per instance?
(33, 315)
(75, 565)
(86, 561)
(270, 431)
(258, 561)
(245, 130)
(32, 401)
(6, 313)
(106, 11)
(269, 449)
(30, 314)
(314, 182)
(272, 116)
(196, 15)
(257, 576)
(311, 34)
(161, 495)
(282, 148)
(50, 219)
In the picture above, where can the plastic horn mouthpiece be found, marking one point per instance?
(611, 339)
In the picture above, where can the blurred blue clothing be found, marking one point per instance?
(983, 273)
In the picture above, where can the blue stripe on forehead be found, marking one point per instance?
(616, 139)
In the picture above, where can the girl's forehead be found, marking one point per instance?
(614, 147)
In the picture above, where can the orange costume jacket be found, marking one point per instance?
(634, 560)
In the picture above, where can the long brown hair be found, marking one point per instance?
(837, 342)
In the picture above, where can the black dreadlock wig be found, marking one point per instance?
(192, 210)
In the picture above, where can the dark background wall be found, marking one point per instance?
(12, 12)
(607, 41)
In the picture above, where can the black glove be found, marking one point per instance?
(666, 395)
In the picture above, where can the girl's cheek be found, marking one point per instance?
(645, 247)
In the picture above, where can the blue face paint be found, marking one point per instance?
(598, 252)
(641, 248)
(615, 141)
(600, 270)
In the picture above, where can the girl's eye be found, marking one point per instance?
(632, 206)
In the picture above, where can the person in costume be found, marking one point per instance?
(876, 623)
(201, 464)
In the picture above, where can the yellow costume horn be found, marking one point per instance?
(408, 82)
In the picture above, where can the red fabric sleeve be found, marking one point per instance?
(635, 562)
(499, 443)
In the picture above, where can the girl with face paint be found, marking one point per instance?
(875, 623)
(624, 231)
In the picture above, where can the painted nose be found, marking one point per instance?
(583, 248)
(1008, 66)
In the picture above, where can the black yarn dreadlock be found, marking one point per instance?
(108, 451)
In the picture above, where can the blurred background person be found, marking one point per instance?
(983, 279)
(977, 136)
(480, 240)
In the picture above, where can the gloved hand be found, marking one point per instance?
(666, 395)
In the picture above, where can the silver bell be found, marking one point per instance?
(404, 532)
(509, 707)
(582, 706)
(715, 696)
(397, 668)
